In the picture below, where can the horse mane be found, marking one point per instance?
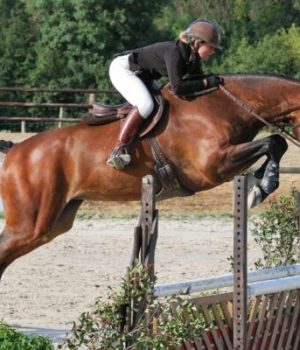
(260, 75)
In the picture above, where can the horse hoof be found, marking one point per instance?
(255, 196)
(270, 181)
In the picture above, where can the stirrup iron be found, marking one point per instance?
(119, 157)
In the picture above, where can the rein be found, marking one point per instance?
(246, 107)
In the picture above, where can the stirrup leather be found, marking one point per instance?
(119, 157)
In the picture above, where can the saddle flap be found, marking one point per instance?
(103, 110)
(100, 113)
(156, 115)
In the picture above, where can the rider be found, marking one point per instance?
(132, 73)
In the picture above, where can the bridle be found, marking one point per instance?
(246, 107)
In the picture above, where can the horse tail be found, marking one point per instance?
(5, 146)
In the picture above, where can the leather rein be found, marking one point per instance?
(246, 107)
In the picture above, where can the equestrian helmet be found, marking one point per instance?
(204, 30)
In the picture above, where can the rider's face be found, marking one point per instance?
(205, 51)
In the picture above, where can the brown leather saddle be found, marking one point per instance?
(100, 114)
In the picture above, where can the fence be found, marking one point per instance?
(60, 107)
(262, 311)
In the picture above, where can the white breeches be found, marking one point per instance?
(130, 86)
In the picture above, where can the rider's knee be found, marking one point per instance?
(146, 107)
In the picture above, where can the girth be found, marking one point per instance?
(163, 168)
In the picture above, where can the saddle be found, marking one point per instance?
(100, 114)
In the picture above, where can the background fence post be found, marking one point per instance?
(23, 126)
(91, 98)
(60, 116)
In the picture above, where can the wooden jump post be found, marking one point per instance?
(262, 312)
(281, 297)
(240, 305)
(145, 237)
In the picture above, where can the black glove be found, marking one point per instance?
(214, 81)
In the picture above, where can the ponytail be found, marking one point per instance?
(184, 37)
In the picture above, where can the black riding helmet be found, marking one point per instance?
(204, 30)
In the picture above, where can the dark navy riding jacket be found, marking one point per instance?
(172, 59)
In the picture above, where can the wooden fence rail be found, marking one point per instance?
(44, 105)
(61, 106)
(63, 90)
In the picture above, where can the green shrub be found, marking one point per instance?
(164, 324)
(277, 233)
(10, 339)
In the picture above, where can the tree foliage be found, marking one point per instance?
(79, 38)
(17, 36)
(257, 35)
(70, 43)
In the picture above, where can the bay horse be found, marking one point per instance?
(208, 139)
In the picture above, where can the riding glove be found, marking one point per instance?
(214, 81)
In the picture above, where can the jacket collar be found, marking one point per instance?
(186, 52)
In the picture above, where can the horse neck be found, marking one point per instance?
(270, 97)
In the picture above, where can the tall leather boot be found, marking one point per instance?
(120, 156)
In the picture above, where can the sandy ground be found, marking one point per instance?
(47, 289)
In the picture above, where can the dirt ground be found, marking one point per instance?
(47, 289)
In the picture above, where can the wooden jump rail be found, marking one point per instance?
(262, 311)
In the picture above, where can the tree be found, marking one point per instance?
(277, 52)
(79, 38)
(16, 37)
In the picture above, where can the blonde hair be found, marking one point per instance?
(184, 37)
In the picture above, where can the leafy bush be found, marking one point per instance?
(164, 324)
(263, 56)
(10, 339)
(277, 233)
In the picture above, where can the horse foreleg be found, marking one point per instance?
(242, 156)
(65, 220)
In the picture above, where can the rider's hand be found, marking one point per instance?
(214, 81)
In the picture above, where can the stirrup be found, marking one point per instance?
(119, 157)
